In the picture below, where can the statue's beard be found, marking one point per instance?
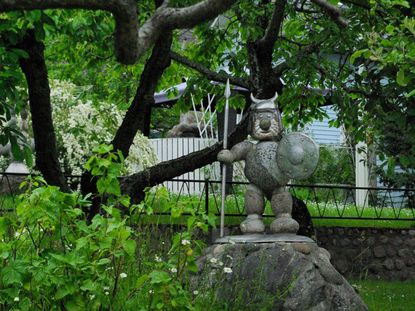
(273, 133)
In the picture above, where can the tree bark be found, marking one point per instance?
(35, 71)
(264, 80)
(132, 41)
(138, 116)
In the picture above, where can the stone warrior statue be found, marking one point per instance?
(269, 165)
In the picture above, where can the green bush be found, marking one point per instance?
(53, 259)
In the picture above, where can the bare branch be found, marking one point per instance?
(299, 44)
(134, 184)
(332, 11)
(273, 28)
(168, 18)
(210, 74)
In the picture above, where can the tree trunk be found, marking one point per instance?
(35, 71)
(138, 116)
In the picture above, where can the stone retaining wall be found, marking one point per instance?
(360, 252)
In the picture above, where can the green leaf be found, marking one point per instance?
(141, 280)
(103, 261)
(405, 161)
(129, 246)
(3, 226)
(159, 277)
(11, 276)
(400, 77)
(357, 54)
(410, 94)
(75, 304)
(89, 285)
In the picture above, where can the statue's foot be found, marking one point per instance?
(284, 225)
(252, 224)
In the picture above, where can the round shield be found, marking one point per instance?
(297, 155)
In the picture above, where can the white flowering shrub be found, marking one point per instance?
(81, 125)
(4, 162)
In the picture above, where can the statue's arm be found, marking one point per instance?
(237, 153)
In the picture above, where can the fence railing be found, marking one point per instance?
(323, 201)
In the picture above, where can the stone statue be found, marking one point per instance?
(269, 165)
(188, 126)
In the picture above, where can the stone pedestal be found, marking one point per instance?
(274, 272)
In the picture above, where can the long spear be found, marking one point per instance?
(225, 146)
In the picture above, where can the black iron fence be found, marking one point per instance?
(323, 201)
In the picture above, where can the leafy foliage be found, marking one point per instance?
(53, 259)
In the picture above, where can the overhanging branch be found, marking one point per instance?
(132, 41)
(209, 74)
(124, 11)
(134, 184)
(332, 11)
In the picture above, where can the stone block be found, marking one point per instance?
(396, 241)
(389, 264)
(383, 239)
(379, 251)
(400, 264)
(390, 250)
(410, 242)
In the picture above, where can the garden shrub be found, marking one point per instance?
(53, 259)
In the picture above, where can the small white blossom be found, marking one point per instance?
(173, 270)
(107, 293)
(106, 288)
(213, 260)
(151, 291)
(220, 263)
(157, 258)
(91, 297)
(227, 270)
(195, 292)
(185, 242)
(16, 299)
(123, 275)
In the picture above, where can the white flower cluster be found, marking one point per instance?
(82, 125)
(4, 162)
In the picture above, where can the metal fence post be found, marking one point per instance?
(207, 196)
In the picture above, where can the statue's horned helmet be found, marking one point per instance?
(265, 120)
(264, 103)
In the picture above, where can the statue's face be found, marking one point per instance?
(265, 124)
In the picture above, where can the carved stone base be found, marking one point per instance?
(253, 272)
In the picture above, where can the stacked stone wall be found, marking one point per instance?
(377, 253)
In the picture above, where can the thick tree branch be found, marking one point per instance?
(132, 41)
(332, 11)
(138, 115)
(178, 18)
(124, 11)
(133, 185)
(274, 26)
(209, 74)
(263, 79)
(34, 69)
